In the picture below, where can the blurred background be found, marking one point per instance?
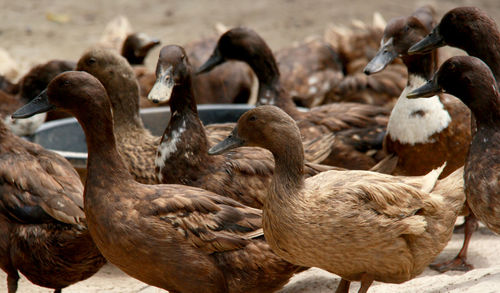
(35, 31)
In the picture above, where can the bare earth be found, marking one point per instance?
(31, 38)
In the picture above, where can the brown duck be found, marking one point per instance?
(360, 225)
(176, 237)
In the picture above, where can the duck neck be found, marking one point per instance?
(184, 142)
(486, 111)
(288, 177)
(270, 90)
(421, 65)
(182, 99)
(124, 97)
(104, 162)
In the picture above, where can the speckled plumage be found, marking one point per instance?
(44, 235)
(360, 225)
(309, 70)
(179, 238)
(356, 45)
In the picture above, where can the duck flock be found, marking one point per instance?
(360, 155)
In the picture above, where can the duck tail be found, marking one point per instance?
(452, 190)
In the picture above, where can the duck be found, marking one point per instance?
(469, 29)
(472, 81)
(44, 234)
(182, 156)
(136, 47)
(355, 45)
(28, 87)
(363, 125)
(446, 121)
(175, 237)
(361, 225)
(136, 144)
(309, 70)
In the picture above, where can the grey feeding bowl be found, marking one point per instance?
(66, 137)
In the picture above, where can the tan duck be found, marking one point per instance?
(176, 237)
(42, 223)
(472, 81)
(359, 128)
(360, 225)
(136, 144)
(309, 70)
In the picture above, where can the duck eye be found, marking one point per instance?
(91, 61)
(66, 83)
(252, 118)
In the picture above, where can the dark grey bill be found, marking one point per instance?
(432, 41)
(212, 62)
(40, 104)
(231, 142)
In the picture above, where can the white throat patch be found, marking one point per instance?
(416, 120)
(168, 147)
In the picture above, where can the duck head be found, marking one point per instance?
(264, 126)
(455, 29)
(466, 77)
(68, 91)
(242, 44)
(399, 35)
(137, 46)
(172, 69)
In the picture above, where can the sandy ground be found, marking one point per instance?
(31, 38)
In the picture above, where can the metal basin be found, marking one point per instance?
(66, 137)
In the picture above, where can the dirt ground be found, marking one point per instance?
(35, 31)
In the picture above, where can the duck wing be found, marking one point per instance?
(37, 186)
(206, 220)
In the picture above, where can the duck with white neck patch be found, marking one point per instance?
(424, 133)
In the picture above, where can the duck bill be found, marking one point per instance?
(429, 89)
(432, 41)
(40, 104)
(231, 142)
(163, 87)
(384, 57)
(146, 43)
(211, 63)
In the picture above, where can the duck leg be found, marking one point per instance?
(459, 263)
(366, 282)
(343, 286)
(12, 278)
